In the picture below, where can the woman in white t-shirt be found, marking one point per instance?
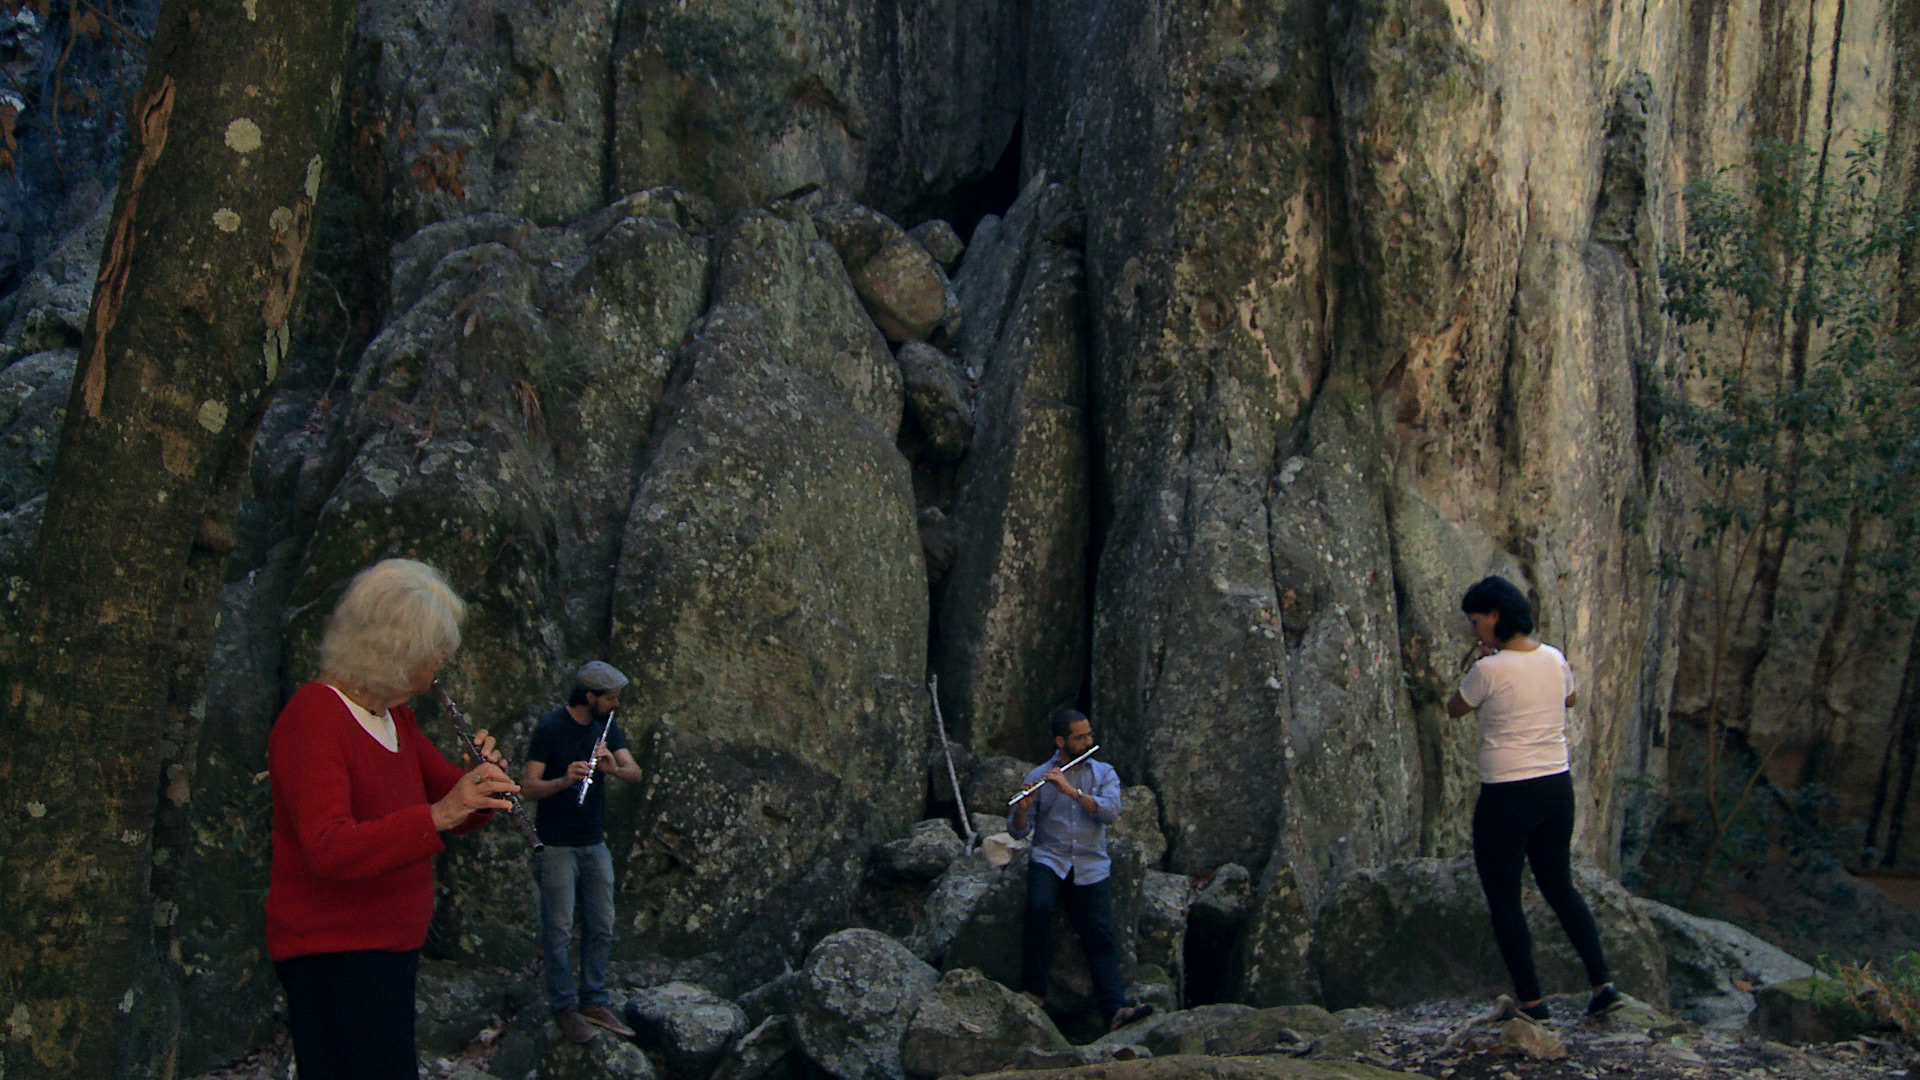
(1522, 690)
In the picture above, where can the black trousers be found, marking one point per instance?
(352, 1014)
(1531, 822)
(1090, 907)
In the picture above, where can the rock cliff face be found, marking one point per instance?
(1308, 314)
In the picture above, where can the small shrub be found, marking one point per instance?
(1889, 997)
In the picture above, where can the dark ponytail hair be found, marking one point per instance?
(1497, 594)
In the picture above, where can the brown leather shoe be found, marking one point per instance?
(572, 1025)
(604, 1017)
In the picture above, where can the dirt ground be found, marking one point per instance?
(1634, 1043)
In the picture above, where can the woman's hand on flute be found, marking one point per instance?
(486, 748)
(485, 788)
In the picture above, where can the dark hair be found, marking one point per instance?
(1064, 719)
(1498, 595)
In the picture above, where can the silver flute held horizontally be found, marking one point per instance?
(460, 724)
(1042, 782)
(587, 780)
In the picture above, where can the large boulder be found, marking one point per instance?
(1418, 929)
(904, 289)
(780, 290)
(988, 936)
(1271, 964)
(605, 1058)
(976, 896)
(1213, 931)
(937, 400)
(770, 586)
(1161, 934)
(767, 1052)
(941, 242)
(1224, 1030)
(689, 1026)
(971, 1024)
(453, 1004)
(858, 992)
(1009, 643)
(1813, 1009)
(1139, 824)
(1714, 967)
(998, 778)
(922, 855)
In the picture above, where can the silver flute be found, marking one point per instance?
(587, 780)
(1042, 782)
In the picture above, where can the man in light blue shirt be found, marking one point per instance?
(1068, 818)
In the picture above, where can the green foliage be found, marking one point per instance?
(1793, 400)
(1885, 999)
(1794, 394)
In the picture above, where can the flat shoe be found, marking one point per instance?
(602, 1016)
(1605, 1000)
(1128, 1015)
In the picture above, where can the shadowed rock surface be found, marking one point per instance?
(1278, 325)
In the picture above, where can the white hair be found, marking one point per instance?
(396, 618)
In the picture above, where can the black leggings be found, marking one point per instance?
(1522, 822)
(352, 1014)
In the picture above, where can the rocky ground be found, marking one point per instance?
(1444, 1040)
(1636, 1042)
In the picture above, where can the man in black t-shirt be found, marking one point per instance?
(573, 750)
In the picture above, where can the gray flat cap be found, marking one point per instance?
(600, 677)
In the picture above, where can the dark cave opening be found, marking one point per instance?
(990, 194)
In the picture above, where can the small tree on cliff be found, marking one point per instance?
(104, 644)
(1794, 400)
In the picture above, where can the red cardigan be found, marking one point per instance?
(353, 835)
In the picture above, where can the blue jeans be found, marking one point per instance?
(567, 873)
(1090, 907)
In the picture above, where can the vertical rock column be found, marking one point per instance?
(771, 607)
(1009, 645)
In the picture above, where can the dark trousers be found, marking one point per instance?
(1090, 908)
(1531, 822)
(352, 1014)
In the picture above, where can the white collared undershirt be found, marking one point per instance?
(380, 727)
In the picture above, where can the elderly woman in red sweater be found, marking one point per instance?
(360, 802)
